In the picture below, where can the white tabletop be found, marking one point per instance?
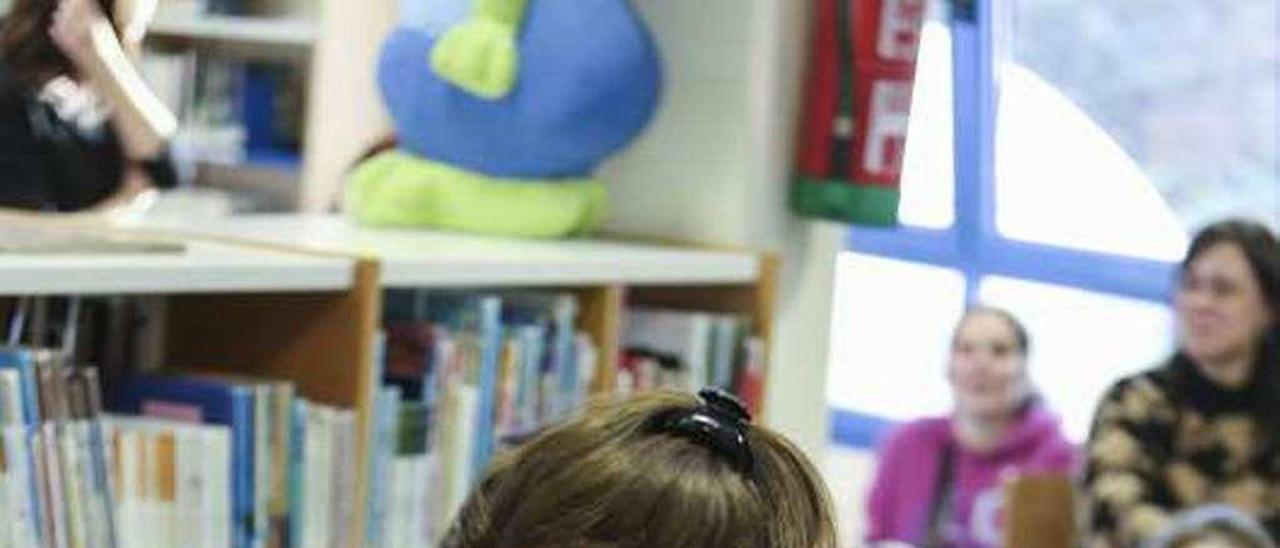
(198, 267)
(418, 258)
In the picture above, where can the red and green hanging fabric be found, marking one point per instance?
(858, 101)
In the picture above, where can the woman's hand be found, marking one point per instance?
(85, 34)
(78, 28)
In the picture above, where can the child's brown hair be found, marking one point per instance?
(660, 470)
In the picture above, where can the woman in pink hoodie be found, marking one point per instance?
(940, 480)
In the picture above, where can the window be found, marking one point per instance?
(1081, 341)
(877, 354)
(929, 162)
(1062, 180)
(1188, 90)
(1082, 162)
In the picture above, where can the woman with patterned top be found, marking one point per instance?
(1204, 428)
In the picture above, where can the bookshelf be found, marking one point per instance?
(203, 267)
(299, 298)
(607, 275)
(416, 258)
(244, 30)
(326, 52)
(305, 317)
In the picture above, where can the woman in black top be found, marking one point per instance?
(79, 128)
(1204, 428)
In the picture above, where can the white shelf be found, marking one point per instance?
(203, 267)
(240, 30)
(413, 258)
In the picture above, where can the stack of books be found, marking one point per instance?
(467, 374)
(55, 489)
(247, 457)
(688, 350)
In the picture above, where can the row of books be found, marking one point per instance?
(469, 374)
(292, 462)
(54, 486)
(472, 373)
(688, 350)
(203, 459)
(230, 111)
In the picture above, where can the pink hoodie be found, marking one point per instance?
(905, 485)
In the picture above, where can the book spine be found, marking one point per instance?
(11, 410)
(262, 423)
(128, 487)
(281, 430)
(344, 464)
(75, 488)
(99, 457)
(468, 401)
(588, 358)
(6, 505)
(22, 502)
(490, 339)
(242, 466)
(219, 475)
(54, 484)
(425, 530)
(382, 452)
(566, 315)
(190, 487)
(297, 471)
(318, 483)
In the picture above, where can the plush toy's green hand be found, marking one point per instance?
(480, 54)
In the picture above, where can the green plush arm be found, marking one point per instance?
(480, 54)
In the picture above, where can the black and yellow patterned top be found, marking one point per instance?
(1169, 440)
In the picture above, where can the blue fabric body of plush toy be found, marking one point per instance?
(589, 81)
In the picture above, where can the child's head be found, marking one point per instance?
(1213, 526)
(662, 469)
(1217, 539)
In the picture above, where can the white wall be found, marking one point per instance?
(715, 167)
(344, 112)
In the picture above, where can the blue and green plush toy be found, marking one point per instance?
(503, 116)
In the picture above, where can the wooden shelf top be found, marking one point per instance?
(416, 258)
(71, 266)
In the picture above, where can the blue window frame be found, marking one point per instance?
(972, 245)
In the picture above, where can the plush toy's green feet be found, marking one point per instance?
(398, 189)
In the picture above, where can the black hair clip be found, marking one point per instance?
(720, 423)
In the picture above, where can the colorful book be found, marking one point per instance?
(23, 361)
(297, 470)
(382, 455)
(685, 335)
(479, 317)
(317, 488)
(343, 479)
(19, 497)
(212, 402)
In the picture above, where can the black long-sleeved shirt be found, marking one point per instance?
(1170, 440)
(51, 160)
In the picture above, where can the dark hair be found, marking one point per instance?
(1262, 251)
(1260, 248)
(609, 479)
(1020, 336)
(26, 47)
